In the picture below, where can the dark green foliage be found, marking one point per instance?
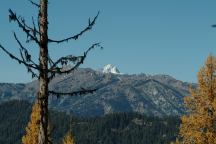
(14, 116)
(121, 128)
(126, 128)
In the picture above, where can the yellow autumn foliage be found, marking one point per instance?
(199, 125)
(32, 129)
(68, 139)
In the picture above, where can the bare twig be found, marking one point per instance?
(21, 23)
(32, 73)
(65, 60)
(50, 61)
(75, 37)
(34, 30)
(28, 66)
(26, 53)
(17, 59)
(35, 4)
(79, 60)
(26, 58)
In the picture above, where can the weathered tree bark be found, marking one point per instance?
(43, 74)
(42, 71)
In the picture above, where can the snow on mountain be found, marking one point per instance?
(110, 69)
(157, 95)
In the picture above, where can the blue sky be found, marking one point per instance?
(171, 37)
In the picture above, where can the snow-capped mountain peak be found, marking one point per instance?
(111, 69)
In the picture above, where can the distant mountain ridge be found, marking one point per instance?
(157, 95)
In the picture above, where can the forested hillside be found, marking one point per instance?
(156, 95)
(122, 128)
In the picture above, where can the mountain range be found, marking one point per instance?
(154, 95)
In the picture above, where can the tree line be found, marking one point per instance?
(119, 128)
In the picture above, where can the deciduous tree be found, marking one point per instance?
(199, 125)
(32, 130)
(68, 139)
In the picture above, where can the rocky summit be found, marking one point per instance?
(110, 69)
(154, 95)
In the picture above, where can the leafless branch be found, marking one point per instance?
(75, 93)
(17, 59)
(28, 69)
(75, 37)
(28, 66)
(34, 30)
(21, 23)
(35, 4)
(65, 60)
(32, 73)
(50, 61)
(27, 57)
(78, 61)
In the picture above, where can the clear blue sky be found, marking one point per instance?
(171, 37)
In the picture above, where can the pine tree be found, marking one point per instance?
(68, 139)
(32, 129)
(199, 125)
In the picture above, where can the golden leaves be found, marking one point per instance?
(32, 129)
(199, 126)
(68, 139)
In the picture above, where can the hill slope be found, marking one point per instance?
(158, 95)
(122, 128)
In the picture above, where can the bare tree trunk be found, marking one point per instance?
(43, 77)
(45, 73)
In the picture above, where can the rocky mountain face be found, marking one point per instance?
(110, 69)
(158, 95)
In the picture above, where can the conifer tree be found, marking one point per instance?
(32, 130)
(68, 139)
(46, 69)
(199, 125)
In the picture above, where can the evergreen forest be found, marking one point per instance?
(117, 128)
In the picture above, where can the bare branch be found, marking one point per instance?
(65, 60)
(18, 60)
(26, 53)
(35, 4)
(75, 37)
(32, 73)
(21, 23)
(75, 93)
(79, 60)
(214, 25)
(50, 61)
(34, 30)
(28, 66)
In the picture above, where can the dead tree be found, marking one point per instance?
(46, 69)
